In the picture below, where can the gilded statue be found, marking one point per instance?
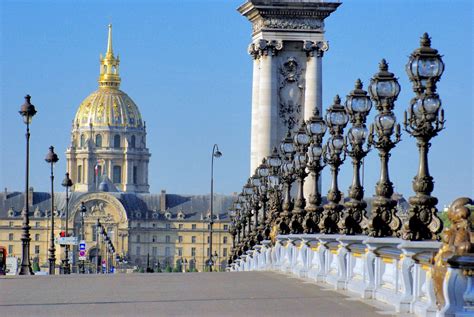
(456, 241)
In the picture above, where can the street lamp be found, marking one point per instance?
(384, 90)
(316, 128)
(336, 119)
(358, 106)
(27, 111)
(67, 182)
(274, 191)
(425, 120)
(52, 158)
(287, 149)
(83, 211)
(215, 154)
(301, 140)
(99, 230)
(262, 189)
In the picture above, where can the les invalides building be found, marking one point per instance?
(107, 161)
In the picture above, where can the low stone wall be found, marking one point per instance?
(390, 270)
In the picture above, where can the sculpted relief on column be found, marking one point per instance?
(290, 92)
(287, 23)
(315, 48)
(264, 48)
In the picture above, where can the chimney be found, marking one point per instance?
(30, 196)
(163, 200)
(5, 194)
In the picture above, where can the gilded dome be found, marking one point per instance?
(108, 107)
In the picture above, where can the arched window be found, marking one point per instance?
(224, 240)
(132, 142)
(117, 176)
(83, 140)
(116, 141)
(98, 140)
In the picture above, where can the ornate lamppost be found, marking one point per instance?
(27, 111)
(52, 158)
(274, 192)
(316, 128)
(384, 90)
(336, 119)
(425, 120)
(358, 106)
(263, 172)
(67, 183)
(215, 153)
(99, 230)
(301, 140)
(83, 211)
(287, 149)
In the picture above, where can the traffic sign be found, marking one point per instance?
(82, 245)
(82, 253)
(67, 240)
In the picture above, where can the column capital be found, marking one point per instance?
(315, 48)
(263, 47)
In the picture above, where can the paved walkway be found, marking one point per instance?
(174, 294)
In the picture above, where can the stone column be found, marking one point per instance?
(254, 144)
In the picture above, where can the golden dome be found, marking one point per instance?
(108, 106)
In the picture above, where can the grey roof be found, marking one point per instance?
(137, 206)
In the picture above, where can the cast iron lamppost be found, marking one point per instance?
(316, 128)
(67, 183)
(256, 195)
(27, 111)
(336, 119)
(425, 120)
(287, 149)
(358, 106)
(384, 89)
(99, 231)
(274, 191)
(263, 173)
(215, 153)
(83, 211)
(301, 141)
(52, 158)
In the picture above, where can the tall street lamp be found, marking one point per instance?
(316, 128)
(98, 233)
(67, 183)
(274, 192)
(425, 120)
(263, 172)
(358, 106)
(384, 90)
(287, 149)
(27, 111)
(336, 119)
(215, 154)
(52, 158)
(83, 211)
(301, 140)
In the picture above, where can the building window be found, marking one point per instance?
(181, 226)
(98, 140)
(10, 236)
(193, 226)
(10, 249)
(167, 251)
(224, 240)
(168, 226)
(83, 140)
(135, 175)
(154, 239)
(180, 239)
(138, 225)
(193, 239)
(37, 249)
(79, 173)
(208, 252)
(138, 238)
(138, 251)
(180, 251)
(224, 252)
(37, 224)
(116, 141)
(226, 227)
(10, 224)
(117, 174)
(132, 142)
(154, 225)
(94, 233)
(167, 239)
(154, 251)
(208, 239)
(37, 237)
(193, 251)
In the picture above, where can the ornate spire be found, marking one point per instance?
(109, 66)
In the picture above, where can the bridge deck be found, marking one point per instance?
(174, 294)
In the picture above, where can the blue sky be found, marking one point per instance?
(185, 64)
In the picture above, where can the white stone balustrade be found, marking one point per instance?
(390, 270)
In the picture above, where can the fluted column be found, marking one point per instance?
(254, 144)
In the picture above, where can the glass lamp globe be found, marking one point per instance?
(336, 144)
(384, 85)
(385, 123)
(357, 102)
(301, 137)
(357, 135)
(286, 146)
(336, 115)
